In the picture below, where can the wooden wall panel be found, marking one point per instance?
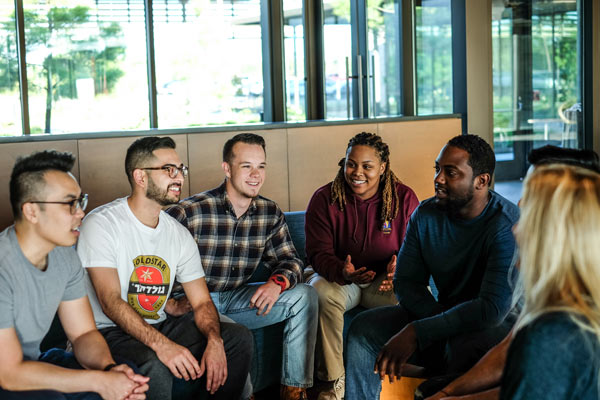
(103, 167)
(414, 146)
(299, 160)
(313, 156)
(8, 155)
(206, 155)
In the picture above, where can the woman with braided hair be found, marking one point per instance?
(355, 226)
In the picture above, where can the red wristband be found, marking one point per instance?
(278, 280)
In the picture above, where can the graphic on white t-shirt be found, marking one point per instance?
(149, 285)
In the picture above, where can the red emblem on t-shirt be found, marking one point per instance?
(148, 275)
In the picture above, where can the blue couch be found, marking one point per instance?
(266, 363)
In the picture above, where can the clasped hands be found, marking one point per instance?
(121, 382)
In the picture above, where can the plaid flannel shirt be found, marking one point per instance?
(231, 248)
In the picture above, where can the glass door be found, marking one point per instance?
(295, 80)
(433, 37)
(337, 56)
(383, 58)
(536, 81)
(362, 58)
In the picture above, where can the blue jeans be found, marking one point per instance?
(298, 307)
(60, 358)
(371, 329)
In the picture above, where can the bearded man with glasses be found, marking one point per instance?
(133, 253)
(40, 273)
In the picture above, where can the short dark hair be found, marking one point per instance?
(248, 138)
(481, 156)
(557, 155)
(27, 177)
(141, 150)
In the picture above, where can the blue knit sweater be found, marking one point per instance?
(469, 261)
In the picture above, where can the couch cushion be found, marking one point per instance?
(295, 222)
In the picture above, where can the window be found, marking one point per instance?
(338, 59)
(362, 58)
(208, 62)
(433, 25)
(383, 69)
(86, 68)
(10, 118)
(295, 81)
(536, 81)
(113, 65)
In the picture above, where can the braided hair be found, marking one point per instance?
(387, 183)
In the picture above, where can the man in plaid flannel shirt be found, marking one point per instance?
(236, 230)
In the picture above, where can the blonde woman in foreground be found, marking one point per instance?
(556, 350)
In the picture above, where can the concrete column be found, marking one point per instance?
(596, 75)
(478, 19)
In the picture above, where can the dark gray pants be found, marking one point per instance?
(237, 341)
(371, 329)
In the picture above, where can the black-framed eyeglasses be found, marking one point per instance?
(75, 204)
(172, 170)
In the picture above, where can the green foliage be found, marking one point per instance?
(341, 8)
(434, 60)
(93, 57)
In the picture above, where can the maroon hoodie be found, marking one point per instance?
(332, 234)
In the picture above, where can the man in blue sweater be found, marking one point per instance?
(461, 238)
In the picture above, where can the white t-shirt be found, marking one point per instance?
(147, 259)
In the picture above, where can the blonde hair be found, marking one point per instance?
(558, 236)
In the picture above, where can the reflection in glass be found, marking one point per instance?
(295, 82)
(337, 52)
(10, 117)
(433, 27)
(86, 66)
(536, 85)
(208, 62)
(383, 25)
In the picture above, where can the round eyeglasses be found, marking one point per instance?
(75, 204)
(172, 170)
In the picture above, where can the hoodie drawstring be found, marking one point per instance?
(367, 230)
(355, 221)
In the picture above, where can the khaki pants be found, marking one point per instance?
(334, 301)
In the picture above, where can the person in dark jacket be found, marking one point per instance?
(482, 381)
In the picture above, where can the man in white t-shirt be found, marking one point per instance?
(133, 252)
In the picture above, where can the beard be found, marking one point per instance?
(160, 196)
(453, 203)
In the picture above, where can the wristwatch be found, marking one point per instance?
(109, 367)
(279, 280)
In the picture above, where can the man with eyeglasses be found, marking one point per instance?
(133, 252)
(236, 230)
(40, 273)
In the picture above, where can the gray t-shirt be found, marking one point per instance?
(29, 297)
